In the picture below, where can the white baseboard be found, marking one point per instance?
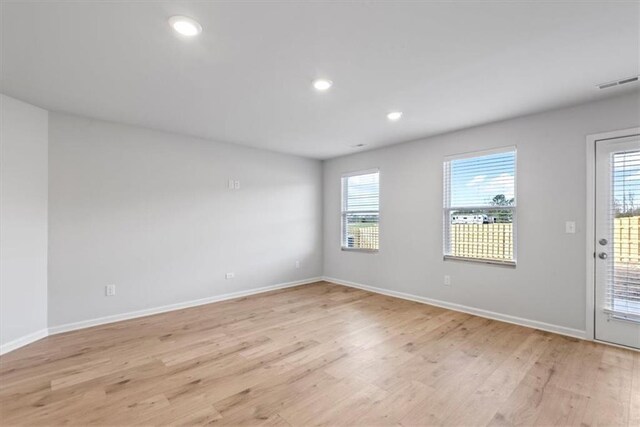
(562, 330)
(171, 307)
(28, 339)
(22, 341)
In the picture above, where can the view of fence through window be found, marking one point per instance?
(480, 206)
(623, 293)
(360, 211)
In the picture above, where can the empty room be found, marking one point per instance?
(338, 213)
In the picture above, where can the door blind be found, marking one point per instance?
(623, 267)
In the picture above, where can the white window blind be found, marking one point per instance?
(623, 267)
(480, 206)
(361, 211)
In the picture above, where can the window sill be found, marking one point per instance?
(481, 261)
(359, 250)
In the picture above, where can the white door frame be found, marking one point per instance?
(591, 224)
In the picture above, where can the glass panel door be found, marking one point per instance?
(617, 262)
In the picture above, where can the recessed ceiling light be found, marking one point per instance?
(322, 84)
(394, 115)
(186, 26)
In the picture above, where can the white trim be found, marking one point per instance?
(172, 307)
(618, 345)
(504, 263)
(480, 153)
(360, 172)
(28, 339)
(562, 330)
(22, 341)
(590, 220)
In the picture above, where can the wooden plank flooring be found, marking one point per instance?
(318, 354)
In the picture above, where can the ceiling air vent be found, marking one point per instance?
(618, 82)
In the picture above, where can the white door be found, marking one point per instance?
(617, 234)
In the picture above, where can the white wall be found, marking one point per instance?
(23, 222)
(548, 284)
(151, 213)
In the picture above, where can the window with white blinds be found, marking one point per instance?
(480, 206)
(623, 267)
(361, 210)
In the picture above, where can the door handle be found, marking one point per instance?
(602, 255)
(603, 242)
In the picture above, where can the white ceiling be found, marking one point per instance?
(247, 77)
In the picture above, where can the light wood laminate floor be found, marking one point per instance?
(318, 354)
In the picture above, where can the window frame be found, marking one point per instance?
(446, 211)
(343, 212)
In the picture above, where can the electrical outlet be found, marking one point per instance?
(297, 264)
(229, 276)
(110, 290)
(570, 227)
(236, 185)
(231, 184)
(447, 280)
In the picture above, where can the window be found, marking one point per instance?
(622, 297)
(480, 206)
(360, 211)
